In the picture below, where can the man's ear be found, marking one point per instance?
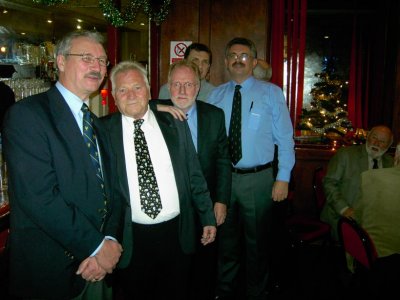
(61, 62)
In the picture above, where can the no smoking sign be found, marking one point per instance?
(177, 50)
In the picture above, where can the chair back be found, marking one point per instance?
(319, 194)
(356, 242)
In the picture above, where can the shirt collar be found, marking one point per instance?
(73, 101)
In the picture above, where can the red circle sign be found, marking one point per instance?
(180, 49)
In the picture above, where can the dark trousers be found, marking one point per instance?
(203, 271)
(159, 269)
(247, 227)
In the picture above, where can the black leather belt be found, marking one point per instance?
(252, 170)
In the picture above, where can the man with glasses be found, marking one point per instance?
(207, 127)
(201, 55)
(63, 222)
(257, 119)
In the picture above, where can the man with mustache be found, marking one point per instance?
(63, 222)
(256, 119)
(343, 178)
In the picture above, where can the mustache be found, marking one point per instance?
(237, 63)
(95, 74)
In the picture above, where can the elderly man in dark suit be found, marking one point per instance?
(63, 222)
(157, 242)
(207, 127)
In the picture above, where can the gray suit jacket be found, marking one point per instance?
(193, 194)
(378, 209)
(342, 181)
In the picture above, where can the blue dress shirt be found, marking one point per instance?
(265, 122)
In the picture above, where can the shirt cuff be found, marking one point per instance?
(102, 243)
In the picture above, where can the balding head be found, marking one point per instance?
(379, 140)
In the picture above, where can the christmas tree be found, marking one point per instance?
(328, 111)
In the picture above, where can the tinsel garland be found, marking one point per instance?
(118, 18)
(159, 16)
(50, 2)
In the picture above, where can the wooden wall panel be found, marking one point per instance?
(235, 18)
(182, 25)
(214, 22)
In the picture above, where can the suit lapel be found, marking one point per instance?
(202, 127)
(66, 123)
(117, 144)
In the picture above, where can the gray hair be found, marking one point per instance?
(128, 66)
(244, 42)
(184, 63)
(64, 45)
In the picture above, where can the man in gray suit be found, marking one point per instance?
(343, 178)
(156, 249)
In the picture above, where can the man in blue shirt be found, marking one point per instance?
(264, 122)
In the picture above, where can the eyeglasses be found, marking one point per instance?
(187, 85)
(241, 57)
(89, 59)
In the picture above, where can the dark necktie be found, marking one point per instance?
(89, 136)
(148, 189)
(375, 166)
(235, 127)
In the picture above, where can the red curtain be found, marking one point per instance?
(295, 19)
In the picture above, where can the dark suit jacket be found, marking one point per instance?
(56, 201)
(192, 188)
(212, 149)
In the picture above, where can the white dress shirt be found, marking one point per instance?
(162, 168)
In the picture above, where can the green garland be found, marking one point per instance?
(118, 18)
(159, 16)
(50, 2)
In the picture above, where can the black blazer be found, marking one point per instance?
(192, 188)
(212, 149)
(56, 201)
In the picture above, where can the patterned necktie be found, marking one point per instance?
(89, 136)
(149, 193)
(235, 127)
(375, 166)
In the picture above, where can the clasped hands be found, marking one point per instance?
(95, 268)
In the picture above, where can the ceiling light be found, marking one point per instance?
(23, 33)
(79, 20)
(326, 37)
(5, 11)
(141, 24)
(49, 21)
(3, 49)
(78, 27)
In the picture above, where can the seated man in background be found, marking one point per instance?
(201, 55)
(342, 181)
(378, 211)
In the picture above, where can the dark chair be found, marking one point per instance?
(305, 228)
(357, 243)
